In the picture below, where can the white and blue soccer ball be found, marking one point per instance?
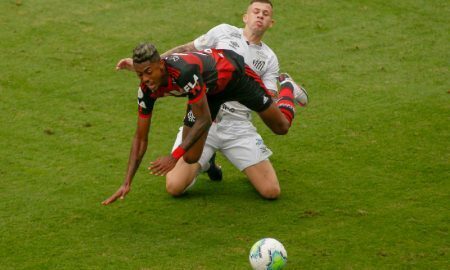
(268, 254)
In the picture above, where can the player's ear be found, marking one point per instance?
(161, 65)
(272, 23)
(245, 18)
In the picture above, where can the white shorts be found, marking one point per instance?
(237, 140)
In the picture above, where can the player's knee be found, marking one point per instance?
(174, 188)
(271, 193)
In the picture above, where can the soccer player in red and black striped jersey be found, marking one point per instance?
(208, 78)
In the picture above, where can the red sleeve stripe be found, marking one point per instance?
(197, 98)
(249, 72)
(225, 72)
(193, 59)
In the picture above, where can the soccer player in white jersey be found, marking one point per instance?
(233, 133)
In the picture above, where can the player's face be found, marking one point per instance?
(151, 74)
(258, 17)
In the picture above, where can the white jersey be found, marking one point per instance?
(259, 57)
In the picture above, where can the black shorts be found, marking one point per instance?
(246, 90)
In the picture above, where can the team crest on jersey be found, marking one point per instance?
(174, 58)
(259, 64)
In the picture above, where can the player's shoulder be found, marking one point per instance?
(173, 59)
(226, 26)
(227, 29)
(182, 67)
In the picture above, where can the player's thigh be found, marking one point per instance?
(264, 178)
(262, 174)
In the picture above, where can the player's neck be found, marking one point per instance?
(251, 37)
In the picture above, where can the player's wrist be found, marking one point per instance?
(178, 152)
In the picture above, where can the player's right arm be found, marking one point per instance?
(188, 47)
(140, 142)
(138, 149)
(127, 63)
(206, 41)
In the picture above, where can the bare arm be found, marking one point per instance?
(203, 122)
(138, 149)
(188, 47)
(127, 63)
(198, 132)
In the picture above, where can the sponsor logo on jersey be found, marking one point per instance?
(259, 64)
(226, 108)
(189, 86)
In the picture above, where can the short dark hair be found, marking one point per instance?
(145, 51)
(262, 1)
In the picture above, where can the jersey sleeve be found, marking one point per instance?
(186, 70)
(145, 103)
(210, 39)
(191, 82)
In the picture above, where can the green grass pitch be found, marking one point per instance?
(364, 170)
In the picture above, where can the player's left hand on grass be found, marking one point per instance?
(120, 193)
(162, 165)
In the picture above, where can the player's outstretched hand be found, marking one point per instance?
(120, 194)
(162, 165)
(126, 63)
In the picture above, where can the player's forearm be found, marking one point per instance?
(200, 128)
(137, 153)
(188, 47)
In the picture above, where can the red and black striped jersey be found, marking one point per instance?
(193, 75)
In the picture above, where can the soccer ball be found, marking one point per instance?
(268, 254)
